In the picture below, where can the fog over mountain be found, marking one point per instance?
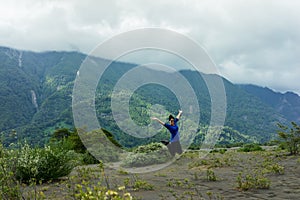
(250, 41)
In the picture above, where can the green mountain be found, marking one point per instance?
(35, 92)
(246, 113)
(36, 98)
(287, 104)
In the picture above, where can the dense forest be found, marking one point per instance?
(36, 99)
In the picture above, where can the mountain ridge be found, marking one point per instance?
(287, 104)
(36, 95)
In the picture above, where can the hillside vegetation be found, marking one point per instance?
(36, 98)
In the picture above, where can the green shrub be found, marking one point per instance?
(290, 137)
(275, 168)
(262, 182)
(100, 146)
(9, 186)
(250, 147)
(87, 158)
(221, 151)
(43, 163)
(149, 148)
(252, 181)
(70, 140)
(210, 175)
(144, 185)
(154, 153)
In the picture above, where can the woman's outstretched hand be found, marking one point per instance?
(179, 114)
(159, 121)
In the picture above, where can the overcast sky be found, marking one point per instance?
(255, 41)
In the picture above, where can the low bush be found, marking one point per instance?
(9, 186)
(100, 147)
(252, 181)
(290, 137)
(88, 158)
(154, 153)
(98, 143)
(210, 175)
(142, 185)
(250, 147)
(43, 163)
(221, 151)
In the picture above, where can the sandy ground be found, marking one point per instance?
(187, 177)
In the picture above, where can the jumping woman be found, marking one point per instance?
(174, 143)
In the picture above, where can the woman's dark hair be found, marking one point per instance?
(171, 117)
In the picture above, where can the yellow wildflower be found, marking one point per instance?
(127, 196)
(121, 188)
(111, 193)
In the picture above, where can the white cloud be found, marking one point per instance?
(252, 41)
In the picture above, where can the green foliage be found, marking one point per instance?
(290, 137)
(111, 138)
(252, 181)
(154, 153)
(221, 151)
(179, 183)
(35, 165)
(47, 76)
(257, 169)
(43, 163)
(213, 160)
(250, 147)
(50, 76)
(210, 175)
(88, 158)
(122, 172)
(83, 186)
(275, 168)
(149, 148)
(288, 108)
(100, 146)
(144, 185)
(69, 140)
(9, 185)
(31, 165)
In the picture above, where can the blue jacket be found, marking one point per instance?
(173, 130)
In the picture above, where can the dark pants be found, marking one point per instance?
(174, 147)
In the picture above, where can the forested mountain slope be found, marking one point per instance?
(36, 98)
